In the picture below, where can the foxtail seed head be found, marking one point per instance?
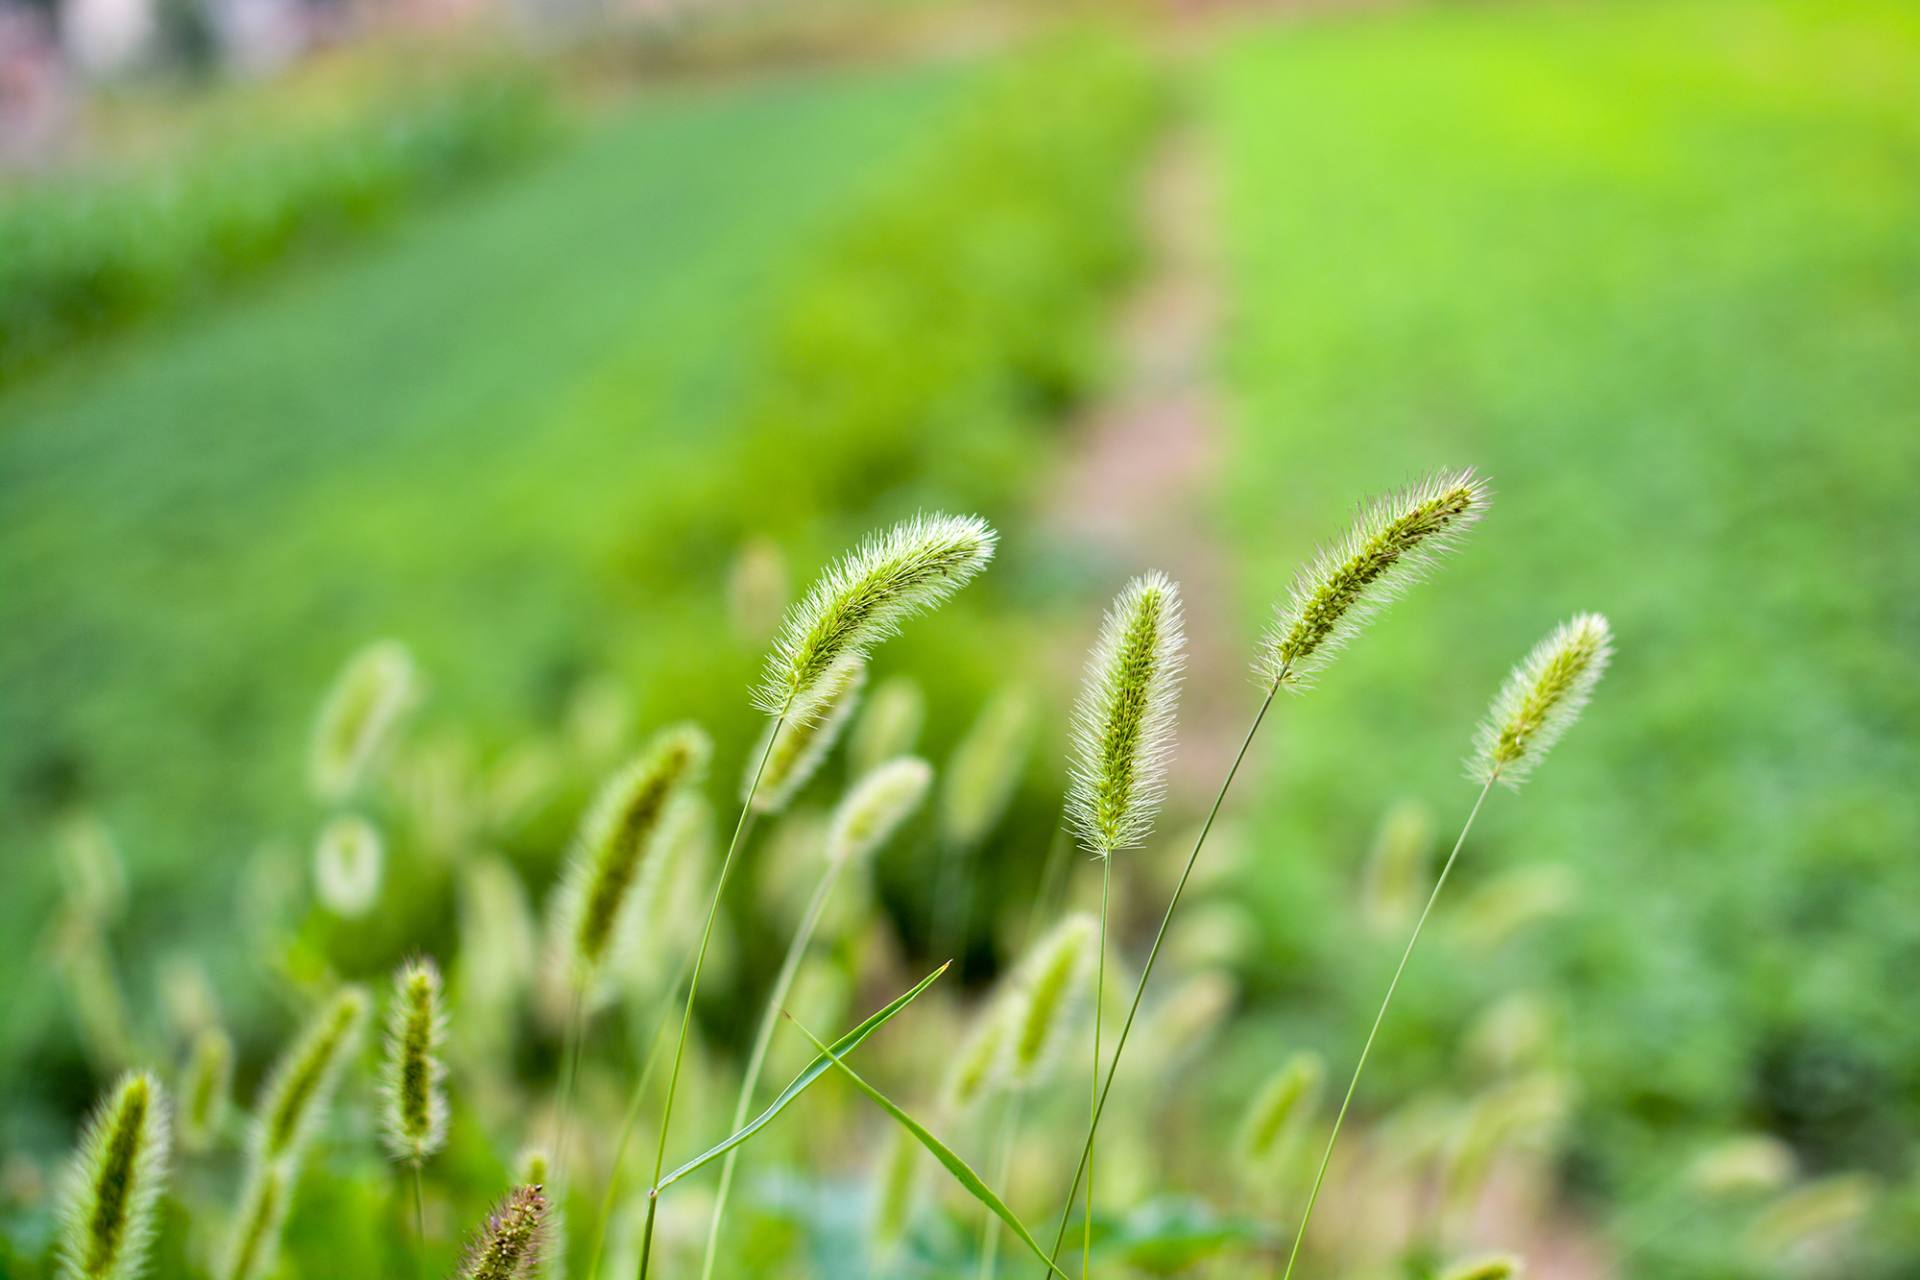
(980, 1066)
(1541, 700)
(889, 726)
(256, 1229)
(414, 1121)
(535, 1169)
(1053, 986)
(875, 808)
(347, 862)
(361, 709)
(612, 868)
(204, 1088)
(1280, 1108)
(801, 744)
(509, 1246)
(1392, 542)
(107, 1198)
(1123, 723)
(301, 1083)
(863, 598)
(985, 768)
(1501, 1266)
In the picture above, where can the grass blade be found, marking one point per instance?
(814, 1070)
(962, 1172)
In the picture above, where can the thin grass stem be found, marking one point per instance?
(1326, 1158)
(693, 989)
(419, 1224)
(1093, 1085)
(1153, 956)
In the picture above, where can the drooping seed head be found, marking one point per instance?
(1541, 700)
(801, 744)
(255, 1242)
(1280, 1108)
(347, 862)
(1053, 985)
(414, 1078)
(205, 1086)
(1123, 723)
(1391, 544)
(985, 768)
(1500, 1266)
(863, 598)
(980, 1066)
(108, 1194)
(510, 1245)
(875, 807)
(301, 1084)
(361, 709)
(890, 725)
(612, 870)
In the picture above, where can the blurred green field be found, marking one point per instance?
(1654, 268)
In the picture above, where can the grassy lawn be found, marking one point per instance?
(452, 430)
(1654, 268)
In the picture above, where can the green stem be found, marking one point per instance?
(1093, 1087)
(1153, 955)
(763, 1039)
(1326, 1158)
(1002, 1165)
(693, 989)
(419, 1224)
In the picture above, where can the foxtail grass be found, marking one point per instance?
(981, 775)
(205, 1086)
(264, 1200)
(796, 752)
(1392, 543)
(1502, 1266)
(888, 726)
(358, 716)
(1537, 704)
(1278, 1110)
(413, 1119)
(113, 1183)
(347, 863)
(1122, 737)
(301, 1084)
(534, 1168)
(512, 1242)
(871, 811)
(859, 601)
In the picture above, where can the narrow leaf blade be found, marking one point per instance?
(814, 1070)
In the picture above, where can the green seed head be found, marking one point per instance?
(108, 1195)
(347, 863)
(1502, 1266)
(803, 743)
(1392, 543)
(1053, 986)
(204, 1088)
(876, 806)
(863, 598)
(890, 725)
(256, 1229)
(1280, 1109)
(1123, 723)
(413, 1080)
(301, 1084)
(1541, 700)
(985, 768)
(980, 1066)
(510, 1245)
(360, 712)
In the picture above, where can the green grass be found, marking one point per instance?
(446, 438)
(1654, 268)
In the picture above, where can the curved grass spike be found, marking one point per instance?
(796, 752)
(1394, 539)
(413, 1081)
(513, 1240)
(1539, 701)
(205, 1087)
(301, 1083)
(985, 768)
(868, 814)
(1052, 986)
(863, 598)
(1279, 1109)
(357, 717)
(535, 1169)
(1502, 1266)
(1122, 735)
(980, 1066)
(107, 1197)
(856, 603)
(1391, 544)
(256, 1232)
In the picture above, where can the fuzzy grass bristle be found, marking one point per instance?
(511, 1243)
(302, 1082)
(876, 806)
(1541, 700)
(802, 743)
(612, 869)
(413, 1082)
(256, 1230)
(980, 1066)
(534, 1168)
(113, 1182)
(1053, 984)
(205, 1086)
(1280, 1109)
(1123, 722)
(863, 598)
(1391, 543)
(358, 716)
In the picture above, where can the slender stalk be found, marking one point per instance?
(569, 1073)
(1326, 1158)
(693, 989)
(1093, 1086)
(419, 1224)
(1153, 955)
(1002, 1165)
(763, 1039)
